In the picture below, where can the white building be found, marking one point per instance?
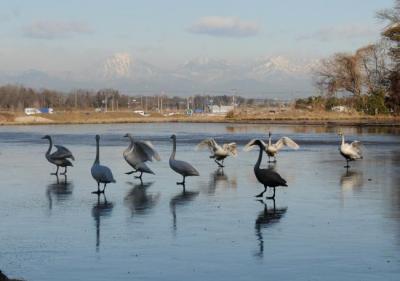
(221, 109)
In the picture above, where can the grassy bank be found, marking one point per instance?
(291, 117)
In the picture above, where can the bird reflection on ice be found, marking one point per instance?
(266, 218)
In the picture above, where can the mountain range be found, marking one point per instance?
(270, 77)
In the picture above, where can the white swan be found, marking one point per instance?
(273, 148)
(219, 153)
(137, 153)
(350, 151)
(100, 173)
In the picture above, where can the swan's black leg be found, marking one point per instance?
(104, 188)
(131, 172)
(56, 173)
(347, 164)
(262, 193)
(273, 196)
(139, 177)
(98, 189)
(182, 182)
(274, 159)
(218, 163)
(65, 171)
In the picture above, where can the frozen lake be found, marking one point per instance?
(328, 224)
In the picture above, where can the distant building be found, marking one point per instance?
(43, 110)
(340, 108)
(31, 111)
(46, 110)
(221, 109)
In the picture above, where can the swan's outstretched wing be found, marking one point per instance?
(210, 143)
(145, 151)
(207, 143)
(356, 145)
(285, 141)
(62, 153)
(250, 145)
(231, 148)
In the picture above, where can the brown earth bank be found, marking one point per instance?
(291, 117)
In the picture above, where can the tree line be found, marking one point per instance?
(367, 80)
(17, 98)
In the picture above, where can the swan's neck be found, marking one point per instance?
(269, 140)
(50, 146)
(342, 139)
(97, 160)
(130, 145)
(173, 149)
(257, 165)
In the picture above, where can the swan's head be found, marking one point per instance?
(269, 134)
(46, 137)
(340, 133)
(253, 143)
(128, 136)
(97, 137)
(173, 137)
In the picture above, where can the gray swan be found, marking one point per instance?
(59, 157)
(267, 177)
(100, 173)
(181, 167)
(137, 153)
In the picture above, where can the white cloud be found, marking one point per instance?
(55, 29)
(344, 32)
(224, 27)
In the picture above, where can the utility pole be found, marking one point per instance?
(105, 102)
(76, 100)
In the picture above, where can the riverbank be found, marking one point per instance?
(290, 118)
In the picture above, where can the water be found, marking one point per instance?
(327, 225)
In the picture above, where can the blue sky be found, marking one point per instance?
(70, 35)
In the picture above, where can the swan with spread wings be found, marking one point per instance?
(218, 153)
(272, 149)
(137, 154)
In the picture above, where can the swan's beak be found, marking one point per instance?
(126, 135)
(43, 138)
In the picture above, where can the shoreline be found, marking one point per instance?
(124, 117)
(361, 122)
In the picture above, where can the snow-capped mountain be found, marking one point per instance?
(123, 66)
(276, 76)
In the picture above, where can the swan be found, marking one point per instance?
(350, 152)
(100, 173)
(219, 153)
(181, 167)
(59, 157)
(273, 148)
(137, 153)
(267, 177)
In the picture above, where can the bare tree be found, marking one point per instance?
(373, 62)
(392, 34)
(340, 73)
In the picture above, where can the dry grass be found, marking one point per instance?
(252, 116)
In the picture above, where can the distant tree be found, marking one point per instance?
(392, 34)
(340, 73)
